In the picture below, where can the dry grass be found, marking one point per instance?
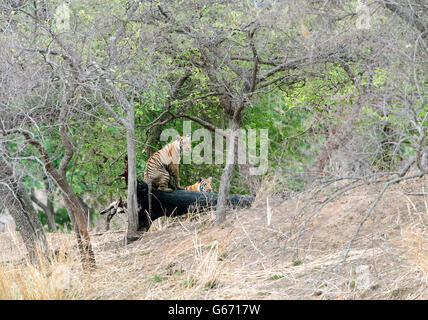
(19, 279)
(415, 236)
(251, 256)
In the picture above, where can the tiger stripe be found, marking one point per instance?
(162, 171)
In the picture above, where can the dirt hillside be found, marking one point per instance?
(297, 255)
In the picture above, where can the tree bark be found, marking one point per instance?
(154, 136)
(227, 173)
(48, 209)
(21, 209)
(132, 232)
(76, 209)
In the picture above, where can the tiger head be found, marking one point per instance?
(184, 143)
(205, 185)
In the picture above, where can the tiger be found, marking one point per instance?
(203, 185)
(162, 170)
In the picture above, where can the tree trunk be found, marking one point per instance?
(18, 202)
(132, 232)
(226, 176)
(77, 213)
(48, 209)
(50, 213)
(88, 213)
(154, 136)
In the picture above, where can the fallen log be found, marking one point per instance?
(178, 202)
(171, 204)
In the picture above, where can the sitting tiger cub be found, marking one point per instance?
(162, 168)
(203, 185)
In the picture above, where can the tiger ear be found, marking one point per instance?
(200, 179)
(210, 179)
(178, 137)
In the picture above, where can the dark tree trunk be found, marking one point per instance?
(50, 213)
(154, 136)
(179, 202)
(173, 204)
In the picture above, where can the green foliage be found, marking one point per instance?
(61, 218)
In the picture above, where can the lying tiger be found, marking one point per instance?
(162, 170)
(203, 185)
